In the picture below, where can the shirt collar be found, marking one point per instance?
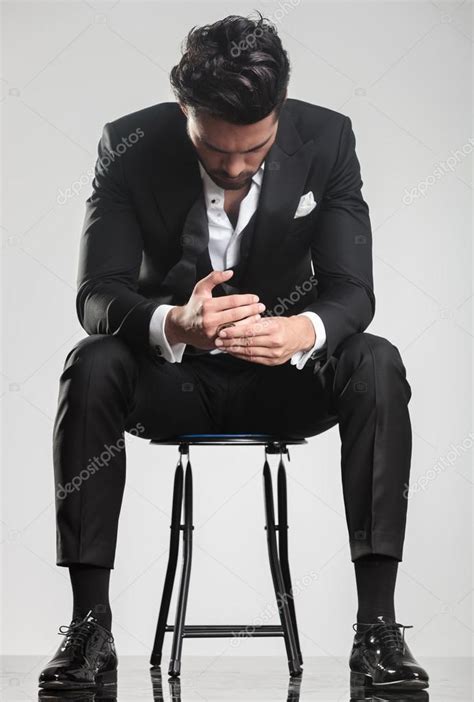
(257, 177)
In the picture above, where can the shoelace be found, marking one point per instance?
(389, 633)
(78, 631)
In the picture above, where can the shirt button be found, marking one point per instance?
(159, 350)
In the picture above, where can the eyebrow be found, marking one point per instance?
(222, 151)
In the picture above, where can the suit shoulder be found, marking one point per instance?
(149, 119)
(311, 119)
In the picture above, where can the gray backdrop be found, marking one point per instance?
(401, 71)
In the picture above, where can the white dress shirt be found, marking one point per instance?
(224, 248)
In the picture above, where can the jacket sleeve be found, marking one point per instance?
(110, 255)
(341, 250)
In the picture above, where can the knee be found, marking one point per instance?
(376, 350)
(377, 347)
(98, 357)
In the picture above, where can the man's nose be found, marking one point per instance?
(233, 166)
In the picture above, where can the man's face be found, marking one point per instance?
(231, 154)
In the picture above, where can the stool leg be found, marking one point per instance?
(155, 659)
(175, 659)
(277, 576)
(283, 549)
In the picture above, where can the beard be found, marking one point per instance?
(239, 183)
(233, 184)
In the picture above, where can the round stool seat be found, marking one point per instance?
(229, 440)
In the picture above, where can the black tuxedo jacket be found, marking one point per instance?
(145, 235)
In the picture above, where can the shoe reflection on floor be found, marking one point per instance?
(173, 694)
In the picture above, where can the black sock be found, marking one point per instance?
(376, 576)
(90, 588)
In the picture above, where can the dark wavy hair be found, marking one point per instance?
(235, 69)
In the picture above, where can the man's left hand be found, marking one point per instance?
(270, 341)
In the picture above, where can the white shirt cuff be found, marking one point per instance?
(158, 340)
(300, 357)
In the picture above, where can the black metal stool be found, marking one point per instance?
(278, 553)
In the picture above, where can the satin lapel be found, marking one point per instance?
(182, 277)
(175, 178)
(286, 170)
(177, 187)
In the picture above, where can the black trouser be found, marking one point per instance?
(107, 388)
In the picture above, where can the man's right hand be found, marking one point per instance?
(197, 321)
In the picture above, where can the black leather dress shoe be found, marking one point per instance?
(394, 696)
(380, 658)
(86, 658)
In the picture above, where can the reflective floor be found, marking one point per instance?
(244, 679)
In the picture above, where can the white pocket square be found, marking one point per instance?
(306, 205)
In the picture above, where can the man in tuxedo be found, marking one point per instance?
(225, 283)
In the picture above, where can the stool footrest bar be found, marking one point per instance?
(223, 630)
